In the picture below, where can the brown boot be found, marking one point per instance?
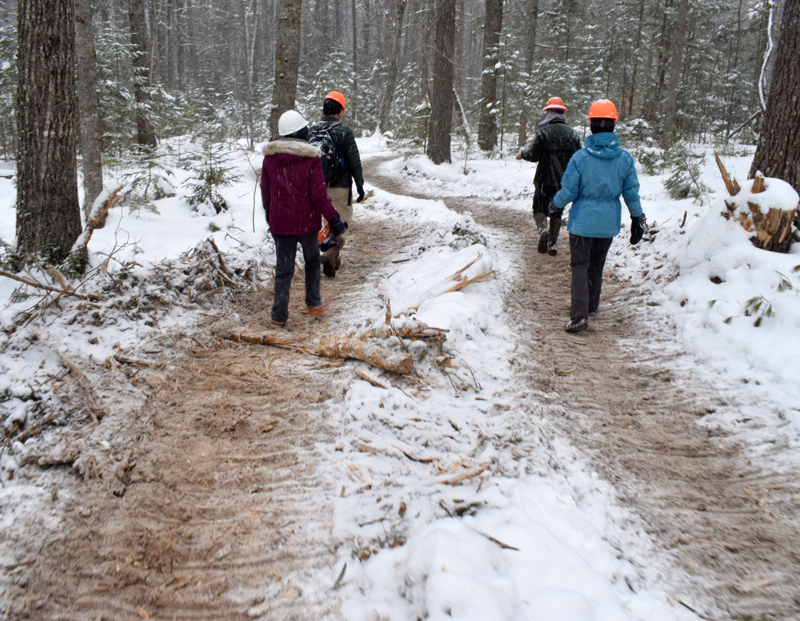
(330, 261)
(541, 224)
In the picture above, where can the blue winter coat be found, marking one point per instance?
(594, 180)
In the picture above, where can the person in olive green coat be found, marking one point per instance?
(552, 147)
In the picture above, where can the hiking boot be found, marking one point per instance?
(555, 228)
(318, 308)
(541, 224)
(329, 262)
(278, 324)
(593, 313)
(577, 325)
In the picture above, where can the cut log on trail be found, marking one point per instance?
(328, 347)
(773, 229)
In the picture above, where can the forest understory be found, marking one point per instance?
(210, 503)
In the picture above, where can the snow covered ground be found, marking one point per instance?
(544, 544)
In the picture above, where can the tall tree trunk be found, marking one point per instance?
(48, 210)
(145, 134)
(675, 72)
(778, 151)
(354, 96)
(287, 61)
(87, 101)
(248, 72)
(394, 60)
(493, 24)
(530, 53)
(367, 28)
(427, 26)
(661, 61)
(442, 98)
(636, 56)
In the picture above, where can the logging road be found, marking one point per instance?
(226, 517)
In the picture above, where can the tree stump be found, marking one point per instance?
(773, 229)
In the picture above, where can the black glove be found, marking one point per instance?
(638, 226)
(361, 195)
(555, 212)
(338, 226)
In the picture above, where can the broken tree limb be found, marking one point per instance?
(96, 220)
(39, 285)
(466, 475)
(368, 378)
(328, 347)
(733, 190)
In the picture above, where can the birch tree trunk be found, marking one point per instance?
(394, 61)
(675, 72)
(778, 151)
(287, 61)
(86, 75)
(48, 210)
(441, 120)
(493, 24)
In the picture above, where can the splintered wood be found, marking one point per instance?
(773, 230)
(411, 329)
(328, 347)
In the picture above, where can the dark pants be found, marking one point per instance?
(587, 256)
(542, 195)
(286, 250)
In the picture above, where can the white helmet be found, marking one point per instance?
(290, 122)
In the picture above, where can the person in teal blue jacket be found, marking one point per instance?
(595, 178)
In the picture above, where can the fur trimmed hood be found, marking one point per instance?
(291, 147)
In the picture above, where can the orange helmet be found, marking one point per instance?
(337, 97)
(555, 103)
(603, 109)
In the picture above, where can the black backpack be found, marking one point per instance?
(332, 162)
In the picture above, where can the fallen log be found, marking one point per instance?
(328, 347)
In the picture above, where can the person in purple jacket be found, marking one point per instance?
(295, 197)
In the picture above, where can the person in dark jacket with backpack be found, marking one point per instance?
(553, 145)
(339, 182)
(594, 180)
(295, 199)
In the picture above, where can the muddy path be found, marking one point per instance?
(735, 527)
(217, 511)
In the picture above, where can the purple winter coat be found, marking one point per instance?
(293, 188)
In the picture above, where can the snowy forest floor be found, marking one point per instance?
(221, 489)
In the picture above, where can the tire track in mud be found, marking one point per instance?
(224, 515)
(618, 393)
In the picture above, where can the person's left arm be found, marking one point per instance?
(570, 186)
(630, 191)
(353, 162)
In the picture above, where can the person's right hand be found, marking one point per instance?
(340, 241)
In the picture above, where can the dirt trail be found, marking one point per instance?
(223, 513)
(733, 525)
